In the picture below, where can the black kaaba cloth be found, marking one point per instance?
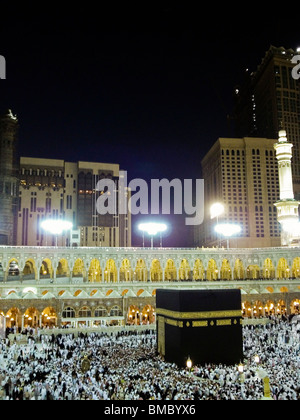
(203, 324)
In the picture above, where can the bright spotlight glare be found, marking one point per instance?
(227, 229)
(216, 210)
(153, 228)
(56, 227)
(290, 226)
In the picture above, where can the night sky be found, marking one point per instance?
(147, 85)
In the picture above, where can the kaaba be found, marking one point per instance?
(205, 325)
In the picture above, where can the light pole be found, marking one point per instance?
(216, 210)
(189, 365)
(152, 229)
(228, 230)
(263, 375)
(56, 227)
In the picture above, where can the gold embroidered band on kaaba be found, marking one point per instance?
(199, 315)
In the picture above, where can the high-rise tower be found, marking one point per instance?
(287, 207)
(8, 178)
(268, 100)
(242, 174)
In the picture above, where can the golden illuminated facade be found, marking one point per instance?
(92, 286)
(242, 174)
(63, 190)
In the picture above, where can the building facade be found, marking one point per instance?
(242, 173)
(63, 190)
(9, 183)
(92, 286)
(269, 100)
(34, 189)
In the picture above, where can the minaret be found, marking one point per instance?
(9, 169)
(287, 207)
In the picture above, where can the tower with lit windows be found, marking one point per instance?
(9, 169)
(287, 207)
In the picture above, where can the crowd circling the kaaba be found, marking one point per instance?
(125, 366)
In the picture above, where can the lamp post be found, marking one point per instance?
(153, 229)
(228, 230)
(189, 364)
(56, 227)
(241, 372)
(256, 359)
(216, 210)
(263, 375)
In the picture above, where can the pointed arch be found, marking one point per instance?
(294, 306)
(148, 315)
(283, 270)
(141, 273)
(95, 272)
(253, 272)
(46, 269)
(30, 269)
(199, 271)
(126, 272)
(296, 268)
(225, 273)
(49, 317)
(79, 269)
(12, 269)
(156, 273)
(13, 317)
(184, 270)
(239, 271)
(268, 271)
(31, 317)
(212, 270)
(63, 269)
(110, 272)
(170, 271)
(133, 317)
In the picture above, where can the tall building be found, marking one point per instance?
(269, 100)
(242, 174)
(8, 178)
(64, 190)
(287, 207)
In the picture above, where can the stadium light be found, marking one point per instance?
(228, 230)
(152, 229)
(56, 227)
(216, 210)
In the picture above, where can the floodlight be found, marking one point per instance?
(153, 228)
(56, 227)
(228, 229)
(216, 210)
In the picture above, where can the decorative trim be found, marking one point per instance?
(198, 324)
(200, 315)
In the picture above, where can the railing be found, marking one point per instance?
(82, 280)
(128, 249)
